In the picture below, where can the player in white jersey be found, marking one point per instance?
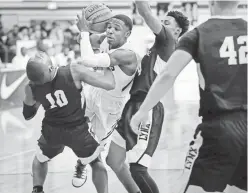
(104, 107)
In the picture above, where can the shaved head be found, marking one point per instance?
(38, 68)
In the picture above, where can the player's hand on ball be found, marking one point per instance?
(136, 120)
(82, 24)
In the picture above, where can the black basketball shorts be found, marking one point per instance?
(217, 156)
(140, 148)
(53, 140)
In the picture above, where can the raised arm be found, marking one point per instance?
(30, 106)
(152, 21)
(83, 74)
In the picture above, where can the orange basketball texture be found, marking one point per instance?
(99, 14)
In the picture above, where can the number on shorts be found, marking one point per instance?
(61, 99)
(227, 50)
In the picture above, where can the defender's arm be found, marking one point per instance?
(30, 106)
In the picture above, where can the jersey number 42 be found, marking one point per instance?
(61, 99)
(229, 50)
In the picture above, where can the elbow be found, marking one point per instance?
(143, 8)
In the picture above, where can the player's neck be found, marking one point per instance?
(54, 73)
(223, 13)
(111, 47)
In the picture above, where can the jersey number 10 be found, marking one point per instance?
(61, 99)
(227, 50)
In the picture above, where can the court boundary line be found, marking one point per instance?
(16, 154)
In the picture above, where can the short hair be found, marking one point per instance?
(181, 20)
(127, 21)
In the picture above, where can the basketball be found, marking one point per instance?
(99, 14)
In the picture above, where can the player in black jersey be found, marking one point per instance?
(58, 90)
(217, 158)
(139, 152)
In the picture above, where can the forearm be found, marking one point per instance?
(90, 59)
(143, 8)
(85, 46)
(95, 79)
(99, 81)
(29, 111)
(145, 11)
(159, 88)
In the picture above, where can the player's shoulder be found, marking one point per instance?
(164, 33)
(223, 22)
(64, 73)
(63, 70)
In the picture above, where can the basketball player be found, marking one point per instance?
(104, 107)
(64, 124)
(218, 156)
(139, 152)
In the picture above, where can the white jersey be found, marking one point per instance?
(104, 107)
(121, 79)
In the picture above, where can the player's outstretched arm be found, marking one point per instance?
(30, 106)
(83, 74)
(186, 50)
(152, 21)
(161, 85)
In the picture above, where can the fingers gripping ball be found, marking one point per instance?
(98, 15)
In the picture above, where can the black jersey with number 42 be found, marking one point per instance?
(61, 100)
(219, 46)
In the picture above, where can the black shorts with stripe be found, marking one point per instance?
(218, 155)
(141, 148)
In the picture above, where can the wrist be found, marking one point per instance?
(84, 33)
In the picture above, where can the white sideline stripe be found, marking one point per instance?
(16, 154)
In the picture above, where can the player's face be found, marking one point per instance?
(117, 33)
(171, 24)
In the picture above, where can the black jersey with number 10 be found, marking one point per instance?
(61, 100)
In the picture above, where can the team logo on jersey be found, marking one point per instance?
(193, 152)
(144, 132)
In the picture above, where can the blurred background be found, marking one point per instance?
(50, 25)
